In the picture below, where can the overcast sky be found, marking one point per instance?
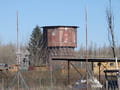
(58, 12)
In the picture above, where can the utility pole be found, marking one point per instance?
(87, 45)
(18, 52)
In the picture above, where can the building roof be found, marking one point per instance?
(84, 59)
(59, 26)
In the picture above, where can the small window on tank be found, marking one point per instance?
(66, 28)
(53, 33)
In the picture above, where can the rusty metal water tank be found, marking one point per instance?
(60, 36)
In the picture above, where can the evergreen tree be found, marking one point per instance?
(34, 46)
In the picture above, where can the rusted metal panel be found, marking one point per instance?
(63, 36)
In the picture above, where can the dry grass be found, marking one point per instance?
(40, 80)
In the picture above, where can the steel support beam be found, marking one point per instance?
(68, 72)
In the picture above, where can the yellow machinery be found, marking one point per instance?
(6, 67)
(13, 68)
(104, 66)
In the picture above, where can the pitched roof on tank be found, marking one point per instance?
(59, 26)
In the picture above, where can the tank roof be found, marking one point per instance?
(59, 26)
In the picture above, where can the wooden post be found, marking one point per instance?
(99, 64)
(2, 83)
(106, 81)
(51, 73)
(118, 79)
(106, 85)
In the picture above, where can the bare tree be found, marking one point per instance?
(110, 21)
(8, 54)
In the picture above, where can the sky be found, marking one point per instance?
(58, 12)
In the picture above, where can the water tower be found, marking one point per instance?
(60, 41)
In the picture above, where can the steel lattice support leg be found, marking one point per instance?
(18, 74)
